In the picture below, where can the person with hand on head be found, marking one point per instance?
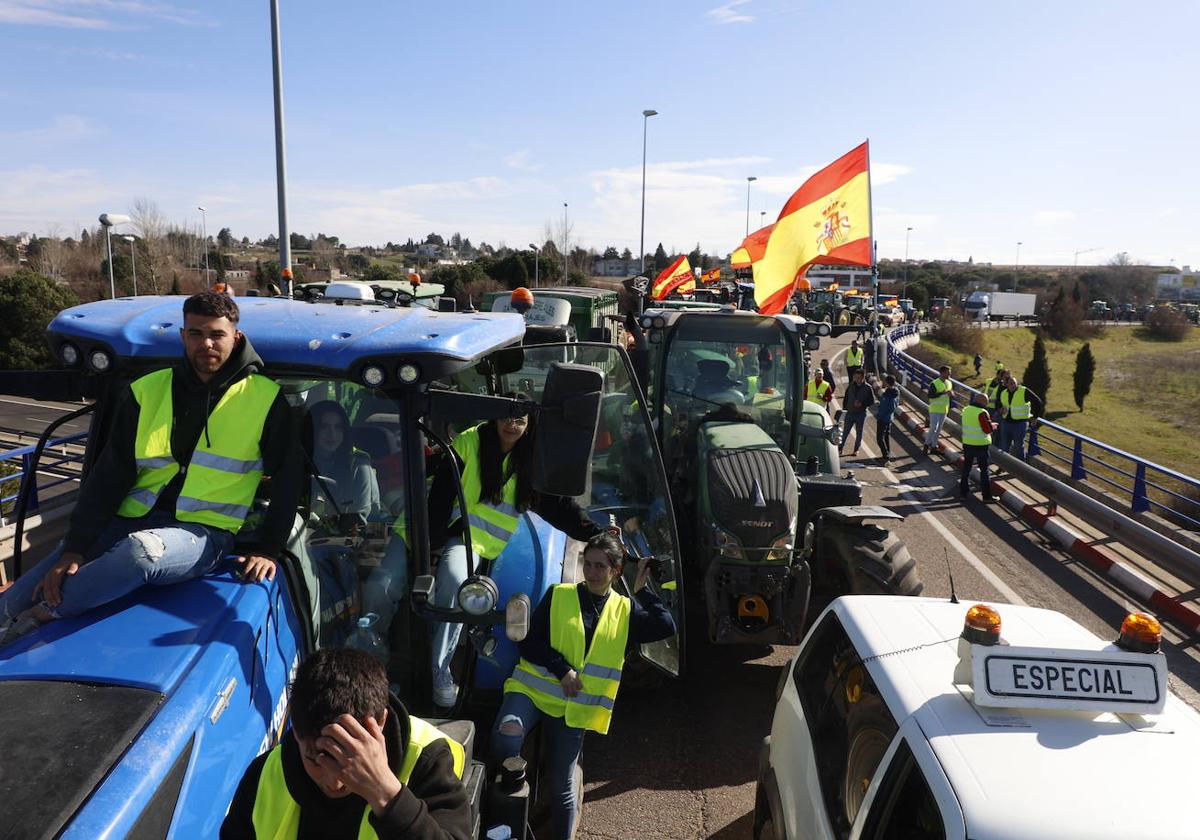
(185, 452)
(570, 667)
(496, 464)
(354, 764)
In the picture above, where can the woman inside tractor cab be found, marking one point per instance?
(495, 459)
(345, 484)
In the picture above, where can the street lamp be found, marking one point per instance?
(132, 240)
(749, 178)
(646, 115)
(907, 231)
(204, 236)
(1017, 266)
(536, 253)
(285, 239)
(566, 273)
(108, 220)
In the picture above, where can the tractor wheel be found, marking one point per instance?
(843, 318)
(864, 559)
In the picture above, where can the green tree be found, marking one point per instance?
(1037, 375)
(1085, 371)
(260, 279)
(29, 301)
(627, 255)
(434, 239)
(610, 253)
(661, 260)
(225, 238)
(175, 290)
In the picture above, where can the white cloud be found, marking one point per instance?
(38, 198)
(64, 128)
(95, 14)
(1052, 217)
(727, 13)
(521, 159)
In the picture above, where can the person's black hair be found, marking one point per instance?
(341, 459)
(889, 380)
(334, 682)
(610, 544)
(493, 474)
(211, 305)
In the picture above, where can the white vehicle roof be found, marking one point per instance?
(1028, 773)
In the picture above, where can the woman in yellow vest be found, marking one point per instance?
(496, 463)
(355, 764)
(570, 667)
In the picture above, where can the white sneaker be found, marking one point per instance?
(445, 696)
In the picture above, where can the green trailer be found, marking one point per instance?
(594, 313)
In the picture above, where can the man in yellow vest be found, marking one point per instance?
(992, 388)
(818, 390)
(355, 764)
(976, 438)
(185, 450)
(1016, 407)
(939, 394)
(570, 668)
(854, 359)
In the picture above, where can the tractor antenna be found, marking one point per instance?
(953, 597)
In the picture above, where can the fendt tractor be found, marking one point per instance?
(754, 477)
(137, 719)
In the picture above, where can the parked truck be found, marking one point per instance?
(1000, 306)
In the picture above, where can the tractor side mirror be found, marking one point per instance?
(566, 432)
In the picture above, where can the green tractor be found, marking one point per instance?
(753, 469)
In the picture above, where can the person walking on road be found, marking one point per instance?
(828, 372)
(884, 412)
(939, 406)
(818, 390)
(976, 438)
(854, 359)
(1016, 407)
(859, 397)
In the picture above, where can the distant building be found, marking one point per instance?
(847, 277)
(322, 275)
(428, 249)
(1183, 285)
(616, 267)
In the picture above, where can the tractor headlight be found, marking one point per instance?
(834, 435)
(100, 361)
(727, 545)
(478, 595)
(373, 376)
(408, 373)
(781, 549)
(69, 354)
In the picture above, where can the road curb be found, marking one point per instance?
(1128, 579)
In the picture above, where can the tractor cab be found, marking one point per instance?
(144, 713)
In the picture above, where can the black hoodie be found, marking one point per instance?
(115, 471)
(433, 805)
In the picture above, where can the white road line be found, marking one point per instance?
(36, 404)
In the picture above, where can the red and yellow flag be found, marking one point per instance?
(677, 277)
(827, 220)
(710, 276)
(752, 248)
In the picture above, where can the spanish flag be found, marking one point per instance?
(752, 248)
(712, 276)
(827, 220)
(677, 277)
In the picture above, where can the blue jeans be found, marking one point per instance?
(451, 572)
(1012, 432)
(130, 553)
(854, 419)
(517, 716)
(387, 584)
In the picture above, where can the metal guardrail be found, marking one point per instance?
(60, 458)
(1145, 486)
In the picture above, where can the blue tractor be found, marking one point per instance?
(138, 719)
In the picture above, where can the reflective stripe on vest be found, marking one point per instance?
(941, 403)
(222, 478)
(817, 392)
(854, 358)
(1019, 408)
(277, 816)
(972, 430)
(492, 524)
(599, 668)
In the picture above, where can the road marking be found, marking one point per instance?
(36, 404)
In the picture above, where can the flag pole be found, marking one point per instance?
(874, 248)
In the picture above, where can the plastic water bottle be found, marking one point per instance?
(366, 638)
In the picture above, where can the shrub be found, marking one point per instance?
(957, 333)
(1085, 371)
(1037, 375)
(1166, 324)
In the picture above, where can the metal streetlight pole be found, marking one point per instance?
(907, 231)
(1017, 266)
(285, 240)
(536, 253)
(748, 180)
(566, 270)
(132, 240)
(204, 238)
(646, 115)
(108, 220)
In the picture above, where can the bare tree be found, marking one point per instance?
(151, 227)
(52, 255)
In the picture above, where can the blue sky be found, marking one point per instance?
(1063, 125)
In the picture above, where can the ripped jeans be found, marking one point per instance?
(562, 743)
(130, 553)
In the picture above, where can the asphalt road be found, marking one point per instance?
(26, 419)
(681, 760)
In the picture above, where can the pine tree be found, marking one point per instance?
(1085, 370)
(175, 290)
(1037, 375)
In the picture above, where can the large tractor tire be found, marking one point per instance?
(859, 558)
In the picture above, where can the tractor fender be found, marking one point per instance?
(856, 514)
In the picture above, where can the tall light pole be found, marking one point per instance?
(907, 231)
(108, 220)
(536, 253)
(285, 240)
(646, 115)
(566, 272)
(132, 240)
(204, 238)
(749, 178)
(1017, 266)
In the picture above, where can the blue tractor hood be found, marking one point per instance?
(322, 337)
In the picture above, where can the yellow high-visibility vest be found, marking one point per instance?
(854, 358)
(226, 464)
(941, 403)
(816, 392)
(972, 430)
(276, 814)
(598, 667)
(492, 525)
(1019, 409)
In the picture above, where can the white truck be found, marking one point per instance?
(1000, 306)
